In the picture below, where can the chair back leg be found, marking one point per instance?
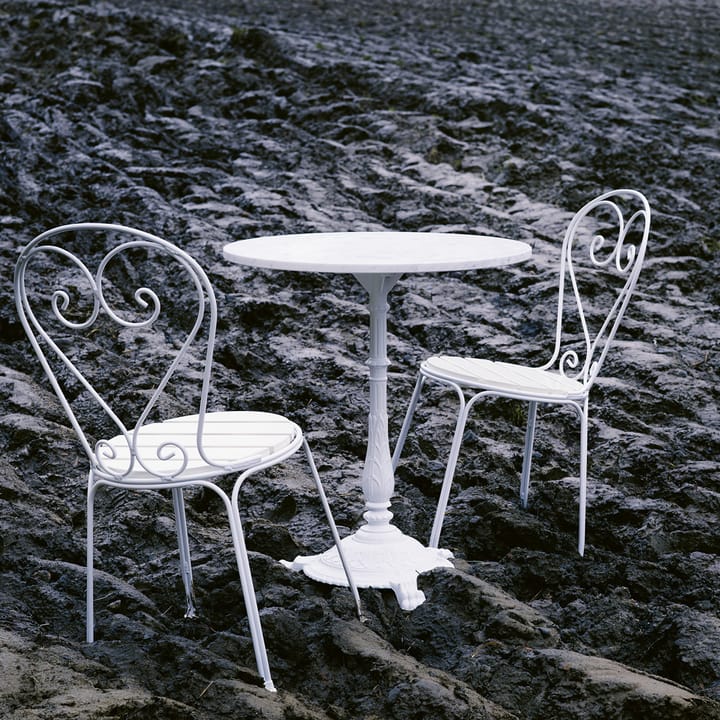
(334, 531)
(527, 453)
(184, 549)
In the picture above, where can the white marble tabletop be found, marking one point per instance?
(377, 252)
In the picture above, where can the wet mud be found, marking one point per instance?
(217, 121)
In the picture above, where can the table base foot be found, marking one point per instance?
(379, 557)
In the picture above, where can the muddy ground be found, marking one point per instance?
(213, 121)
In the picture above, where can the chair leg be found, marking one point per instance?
(450, 470)
(248, 589)
(89, 565)
(184, 549)
(583, 478)
(333, 529)
(527, 454)
(408, 419)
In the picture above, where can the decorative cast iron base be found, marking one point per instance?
(379, 557)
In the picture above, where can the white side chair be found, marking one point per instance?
(130, 285)
(610, 234)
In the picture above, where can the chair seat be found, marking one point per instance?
(516, 380)
(232, 440)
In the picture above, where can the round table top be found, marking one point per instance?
(377, 252)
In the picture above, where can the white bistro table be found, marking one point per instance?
(378, 553)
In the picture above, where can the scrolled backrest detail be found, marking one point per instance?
(103, 296)
(609, 234)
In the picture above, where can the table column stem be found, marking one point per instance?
(378, 481)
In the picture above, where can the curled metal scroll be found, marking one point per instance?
(568, 362)
(621, 250)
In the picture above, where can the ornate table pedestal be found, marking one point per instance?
(378, 553)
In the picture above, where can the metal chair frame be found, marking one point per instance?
(568, 376)
(174, 453)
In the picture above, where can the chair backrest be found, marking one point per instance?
(602, 255)
(118, 303)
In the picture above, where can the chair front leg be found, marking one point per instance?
(583, 476)
(184, 549)
(527, 453)
(450, 468)
(89, 564)
(246, 583)
(408, 419)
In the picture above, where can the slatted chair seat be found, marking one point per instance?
(232, 441)
(517, 380)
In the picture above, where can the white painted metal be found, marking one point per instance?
(379, 554)
(615, 242)
(160, 454)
